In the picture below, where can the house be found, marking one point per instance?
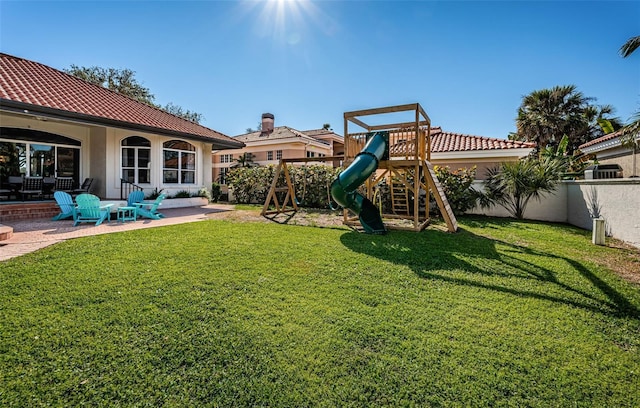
(56, 125)
(608, 149)
(451, 149)
(456, 150)
(270, 144)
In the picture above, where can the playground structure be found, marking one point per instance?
(397, 153)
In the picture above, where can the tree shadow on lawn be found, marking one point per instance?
(432, 253)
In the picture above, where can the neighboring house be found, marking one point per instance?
(609, 150)
(270, 144)
(457, 151)
(53, 124)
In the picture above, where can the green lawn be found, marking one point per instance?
(216, 313)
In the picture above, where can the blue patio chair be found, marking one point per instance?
(135, 197)
(149, 209)
(65, 202)
(88, 209)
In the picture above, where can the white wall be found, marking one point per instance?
(618, 201)
(552, 207)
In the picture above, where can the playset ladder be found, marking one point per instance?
(399, 197)
(441, 198)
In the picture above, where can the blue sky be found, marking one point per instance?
(468, 63)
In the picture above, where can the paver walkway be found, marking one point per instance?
(31, 235)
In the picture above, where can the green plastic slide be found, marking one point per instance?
(343, 188)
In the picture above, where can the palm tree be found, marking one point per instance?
(245, 160)
(513, 184)
(547, 114)
(630, 46)
(630, 132)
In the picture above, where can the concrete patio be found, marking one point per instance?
(31, 235)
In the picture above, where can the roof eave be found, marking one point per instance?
(37, 110)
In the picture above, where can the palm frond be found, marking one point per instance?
(630, 46)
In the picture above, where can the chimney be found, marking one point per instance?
(267, 123)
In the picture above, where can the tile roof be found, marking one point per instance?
(319, 132)
(449, 142)
(609, 136)
(279, 132)
(442, 141)
(40, 88)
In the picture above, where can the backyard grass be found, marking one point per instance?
(220, 313)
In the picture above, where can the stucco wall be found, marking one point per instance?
(626, 162)
(618, 201)
(552, 207)
(97, 146)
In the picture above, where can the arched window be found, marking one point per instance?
(179, 164)
(136, 159)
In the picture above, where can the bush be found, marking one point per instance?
(204, 192)
(155, 194)
(182, 194)
(457, 187)
(216, 192)
(311, 184)
(250, 184)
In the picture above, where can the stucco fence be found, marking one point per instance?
(616, 200)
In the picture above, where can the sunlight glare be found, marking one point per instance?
(285, 21)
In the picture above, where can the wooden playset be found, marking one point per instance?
(400, 156)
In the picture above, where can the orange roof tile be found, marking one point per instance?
(33, 86)
(601, 139)
(456, 142)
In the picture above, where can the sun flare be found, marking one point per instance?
(285, 21)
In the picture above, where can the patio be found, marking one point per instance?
(31, 235)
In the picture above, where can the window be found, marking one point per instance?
(26, 152)
(311, 154)
(270, 155)
(179, 162)
(226, 158)
(278, 154)
(222, 179)
(136, 160)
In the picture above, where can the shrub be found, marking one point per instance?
(457, 187)
(204, 192)
(155, 194)
(216, 192)
(182, 194)
(250, 184)
(513, 184)
(311, 184)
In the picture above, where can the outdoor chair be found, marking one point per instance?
(64, 184)
(31, 186)
(84, 188)
(47, 185)
(88, 209)
(149, 209)
(14, 183)
(5, 192)
(65, 202)
(135, 197)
